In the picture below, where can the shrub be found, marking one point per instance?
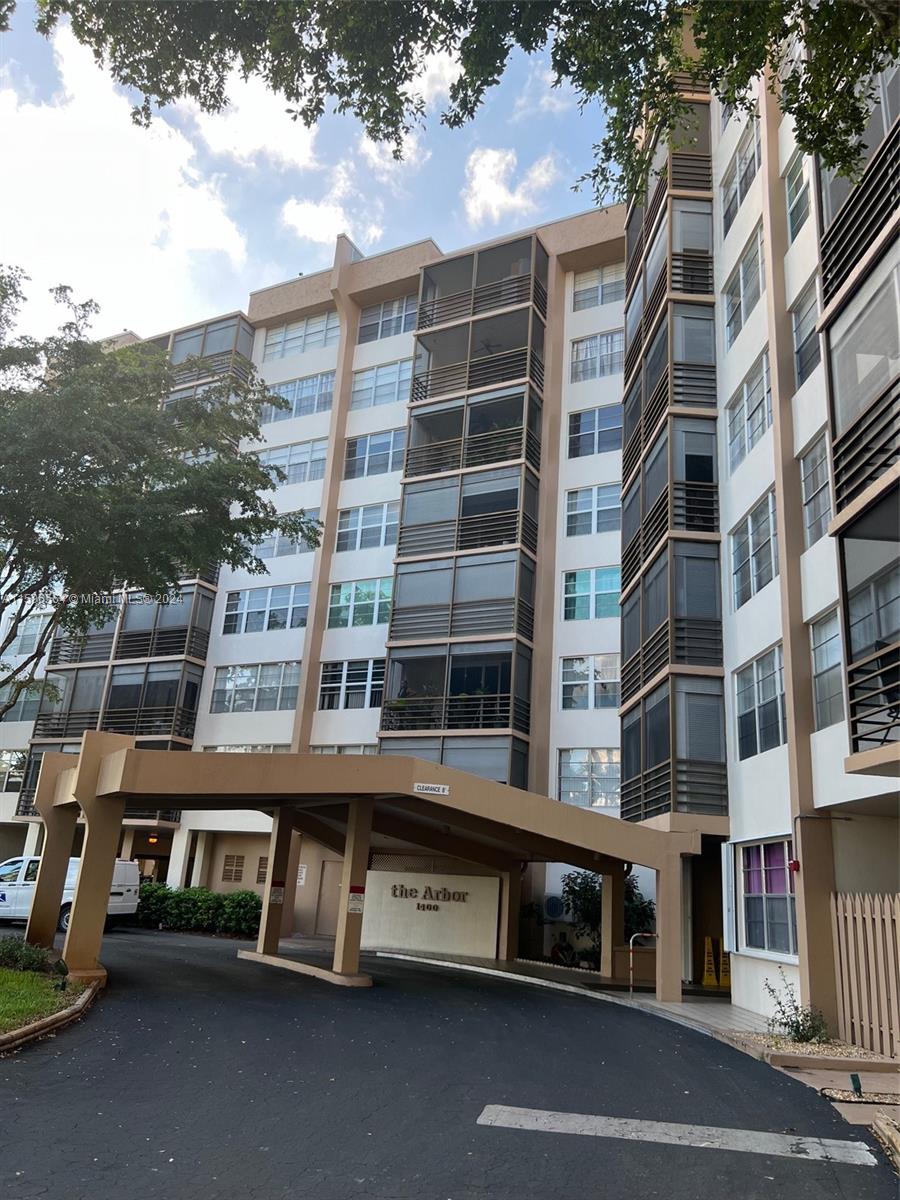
(20, 956)
(240, 913)
(192, 909)
(795, 1021)
(152, 902)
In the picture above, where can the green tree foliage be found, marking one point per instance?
(582, 896)
(367, 57)
(100, 482)
(199, 910)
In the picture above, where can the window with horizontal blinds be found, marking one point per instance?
(657, 748)
(631, 513)
(656, 594)
(631, 743)
(700, 720)
(656, 472)
(631, 625)
(697, 589)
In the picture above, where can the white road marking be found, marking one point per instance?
(707, 1137)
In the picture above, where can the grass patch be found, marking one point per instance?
(26, 996)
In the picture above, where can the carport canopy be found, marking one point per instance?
(353, 805)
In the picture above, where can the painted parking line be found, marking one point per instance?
(704, 1137)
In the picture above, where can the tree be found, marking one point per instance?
(367, 58)
(582, 895)
(101, 482)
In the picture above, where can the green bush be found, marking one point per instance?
(152, 902)
(20, 956)
(194, 909)
(240, 913)
(793, 1020)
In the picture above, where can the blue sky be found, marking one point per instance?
(173, 224)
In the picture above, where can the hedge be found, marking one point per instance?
(199, 910)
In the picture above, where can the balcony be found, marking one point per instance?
(191, 642)
(869, 448)
(168, 721)
(873, 687)
(686, 385)
(483, 372)
(213, 366)
(691, 273)
(690, 172)
(469, 533)
(688, 641)
(502, 293)
(91, 647)
(681, 786)
(419, 713)
(866, 211)
(498, 446)
(473, 618)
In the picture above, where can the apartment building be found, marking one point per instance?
(455, 422)
(756, 351)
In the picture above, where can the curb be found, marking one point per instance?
(17, 1038)
(888, 1133)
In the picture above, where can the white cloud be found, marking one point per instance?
(438, 72)
(379, 158)
(342, 210)
(255, 123)
(538, 95)
(118, 212)
(489, 193)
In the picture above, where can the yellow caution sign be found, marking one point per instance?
(710, 979)
(724, 966)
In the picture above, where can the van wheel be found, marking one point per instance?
(64, 912)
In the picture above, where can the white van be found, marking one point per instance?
(18, 875)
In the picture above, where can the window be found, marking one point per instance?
(754, 551)
(311, 394)
(346, 748)
(387, 319)
(750, 412)
(358, 684)
(361, 602)
(593, 510)
(595, 430)
(603, 285)
(694, 333)
(250, 748)
(324, 329)
(25, 708)
(233, 868)
(280, 545)
(12, 769)
(591, 593)
(301, 462)
(744, 288)
(386, 384)
(770, 920)
(816, 492)
(741, 172)
(257, 687)
(263, 609)
(806, 339)
(589, 778)
(375, 454)
(760, 704)
(590, 682)
(262, 868)
(27, 636)
(797, 188)
(598, 355)
(828, 685)
(371, 525)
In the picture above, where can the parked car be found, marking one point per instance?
(17, 880)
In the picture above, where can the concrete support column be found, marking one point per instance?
(353, 878)
(202, 857)
(669, 930)
(127, 844)
(32, 838)
(612, 920)
(178, 858)
(59, 832)
(276, 879)
(510, 899)
(290, 885)
(103, 818)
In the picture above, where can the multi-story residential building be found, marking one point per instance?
(738, 609)
(456, 424)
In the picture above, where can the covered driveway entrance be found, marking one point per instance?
(353, 805)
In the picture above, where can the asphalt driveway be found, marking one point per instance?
(201, 1077)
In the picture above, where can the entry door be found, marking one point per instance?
(329, 898)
